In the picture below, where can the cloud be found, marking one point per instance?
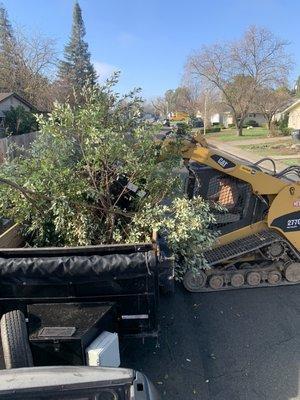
(104, 70)
(126, 39)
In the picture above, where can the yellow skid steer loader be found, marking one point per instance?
(259, 221)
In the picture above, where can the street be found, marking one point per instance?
(234, 345)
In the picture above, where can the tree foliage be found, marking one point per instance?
(8, 64)
(6, 31)
(96, 175)
(76, 69)
(19, 121)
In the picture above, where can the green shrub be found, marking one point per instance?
(285, 131)
(231, 125)
(183, 128)
(213, 129)
(251, 122)
(18, 121)
(96, 175)
(283, 125)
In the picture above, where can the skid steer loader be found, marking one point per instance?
(259, 222)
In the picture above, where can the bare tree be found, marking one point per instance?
(237, 69)
(204, 98)
(161, 106)
(29, 68)
(269, 102)
(182, 98)
(36, 60)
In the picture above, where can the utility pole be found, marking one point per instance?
(205, 113)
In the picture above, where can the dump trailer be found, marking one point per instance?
(257, 218)
(59, 301)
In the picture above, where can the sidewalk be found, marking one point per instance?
(233, 149)
(261, 141)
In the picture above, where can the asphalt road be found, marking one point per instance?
(234, 345)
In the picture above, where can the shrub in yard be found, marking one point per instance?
(96, 175)
(19, 121)
(183, 128)
(217, 125)
(231, 125)
(285, 131)
(252, 122)
(213, 129)
(283, 126)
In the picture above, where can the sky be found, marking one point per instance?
(149, 41)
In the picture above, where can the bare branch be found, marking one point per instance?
(238, 70)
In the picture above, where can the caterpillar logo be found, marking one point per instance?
(222, 161)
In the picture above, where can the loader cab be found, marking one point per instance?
(233, 201)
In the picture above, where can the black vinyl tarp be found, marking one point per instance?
(75, 268)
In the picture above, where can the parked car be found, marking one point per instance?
(197, 122)
(296, 135)
(73, 383)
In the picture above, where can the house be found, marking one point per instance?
(225, 117)
(258, 117)
(8, 100)
(293, 112)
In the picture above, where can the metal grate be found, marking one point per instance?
(241, 246)
(230, 193)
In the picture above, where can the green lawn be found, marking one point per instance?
(229, 135)
(291, 161)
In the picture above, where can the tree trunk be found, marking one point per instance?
(271, 128)
(239, 125)
(239, 129)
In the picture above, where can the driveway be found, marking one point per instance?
(233, 149)
(234, 345)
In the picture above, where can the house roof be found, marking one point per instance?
(291, 106)
(4, 96)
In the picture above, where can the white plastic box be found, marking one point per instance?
(104, 351)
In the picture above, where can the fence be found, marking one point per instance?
(9, 145)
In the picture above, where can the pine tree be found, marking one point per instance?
(8, 67)
(6, 31)
(76, 70)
